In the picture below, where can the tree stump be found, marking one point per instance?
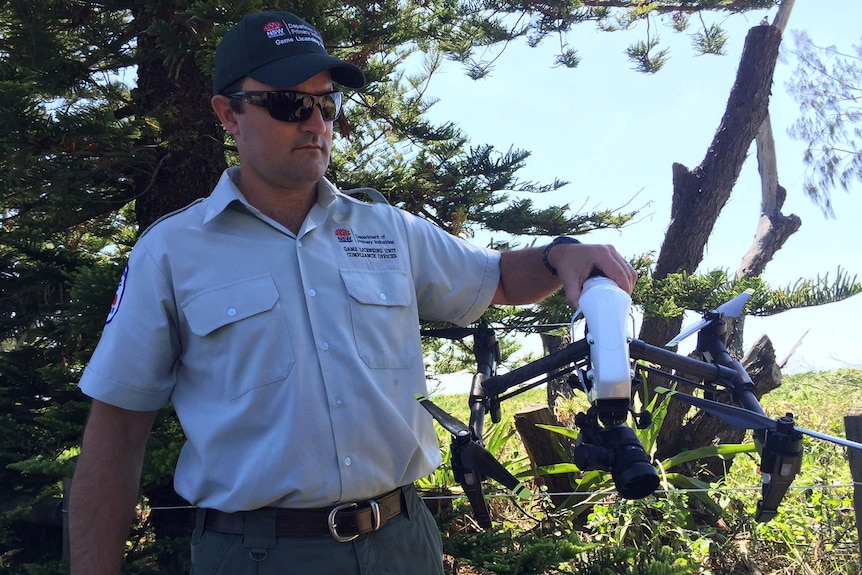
(543, 448)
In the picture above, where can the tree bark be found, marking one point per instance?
(700, 194)
(176, 96)
(557, 388)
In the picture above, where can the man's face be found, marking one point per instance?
(289, 155)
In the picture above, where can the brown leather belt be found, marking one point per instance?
(344, 522)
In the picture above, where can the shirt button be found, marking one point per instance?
(339, 402)
(298, 244)
(312, 292)
(231, 311)
(347, 461)
(383, 296)
(324, 346)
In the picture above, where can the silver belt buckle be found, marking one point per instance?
(333, 527)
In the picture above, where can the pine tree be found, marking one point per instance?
(107, 127)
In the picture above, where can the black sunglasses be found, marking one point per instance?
(292, 106)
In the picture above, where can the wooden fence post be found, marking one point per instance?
(853, 430)
(539, 445)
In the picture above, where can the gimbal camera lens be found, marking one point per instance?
(617, 449)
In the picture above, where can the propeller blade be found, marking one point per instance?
(735, 416)
(695, 327)
(732, 308)
(837, 440)
(480, 459)
(448, 422)
(744, 419)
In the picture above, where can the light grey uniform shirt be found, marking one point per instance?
(292, 362)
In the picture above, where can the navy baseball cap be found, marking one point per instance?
(279, 49)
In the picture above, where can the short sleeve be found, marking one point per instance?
(133, 366)
(455, 280)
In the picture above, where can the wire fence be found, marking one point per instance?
(603, 493)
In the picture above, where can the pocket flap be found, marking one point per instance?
(222, 305)
(390, 287)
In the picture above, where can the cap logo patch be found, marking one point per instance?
(286, 33)
(273, 29)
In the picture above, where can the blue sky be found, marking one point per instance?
(614, 134)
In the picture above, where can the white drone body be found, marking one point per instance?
(606, 309)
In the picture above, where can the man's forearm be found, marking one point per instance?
(105, 489)
(524, 279)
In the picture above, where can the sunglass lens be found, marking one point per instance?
(287, 107)
(328, 107)
(297, 107)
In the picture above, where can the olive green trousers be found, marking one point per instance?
(408, 544)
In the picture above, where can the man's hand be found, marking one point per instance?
(575, 263)
(524, 279)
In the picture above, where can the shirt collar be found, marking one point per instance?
(226, 193)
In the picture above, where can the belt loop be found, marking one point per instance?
(408, 497)
(259, 533)
(200, 521)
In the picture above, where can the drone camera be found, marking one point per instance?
(617, 449)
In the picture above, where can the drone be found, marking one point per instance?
(602, 367)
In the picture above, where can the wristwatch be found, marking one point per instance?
(547, 250)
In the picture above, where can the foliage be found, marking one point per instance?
(673, 532)
(550, 550)
(672, 295)
(827, 85)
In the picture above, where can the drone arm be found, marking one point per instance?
(710, 342)
(780, 449)
(707, 372)
(572, 353)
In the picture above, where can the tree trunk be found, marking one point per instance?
(559, 387)
(774, 228)
(700, 194)
(176, 95)
(541, 447)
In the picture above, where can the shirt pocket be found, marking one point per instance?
(384, 321)
(240, 330)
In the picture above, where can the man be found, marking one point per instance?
(280, 317)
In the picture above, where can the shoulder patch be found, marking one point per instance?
(118, 297)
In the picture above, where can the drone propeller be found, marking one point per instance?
(446, 421)
(473, 455)
(745, 419)
(732, 308)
